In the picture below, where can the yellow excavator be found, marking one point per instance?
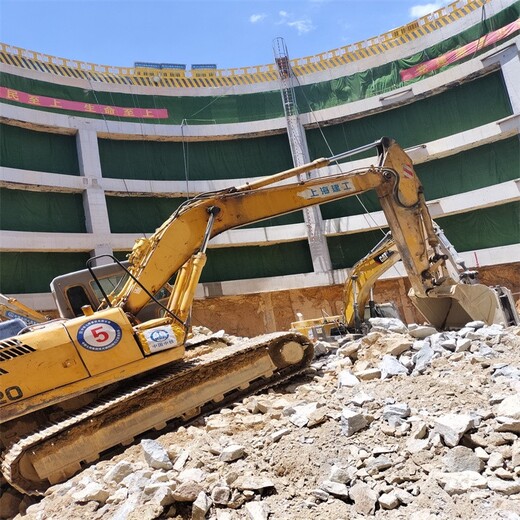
(12, 309)
(73, 388)
(358, 298)
(358, 301)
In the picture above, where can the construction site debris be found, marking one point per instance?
(435, 435)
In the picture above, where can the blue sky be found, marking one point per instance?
(229, 33)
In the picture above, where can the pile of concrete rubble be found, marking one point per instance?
(404, 423)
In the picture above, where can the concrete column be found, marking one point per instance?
(94, 202)
(510, 64)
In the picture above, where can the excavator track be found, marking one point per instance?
(209, 380)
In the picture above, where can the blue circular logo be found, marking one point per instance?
(159, 335)
(99, 335)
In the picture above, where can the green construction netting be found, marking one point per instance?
(40, 151)
(346, 250)
(466, 171)
(386, 78)
(479, 229)
(472, 169)
(33, 272)
(257, 261)
(264, 105)
(139, 214)
(23, 210)
(234, 159)
(489, 227)
(425, 120)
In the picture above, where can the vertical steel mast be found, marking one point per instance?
(300, 154)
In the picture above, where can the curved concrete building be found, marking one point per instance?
(93, 157)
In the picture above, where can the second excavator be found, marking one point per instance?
(107, 376)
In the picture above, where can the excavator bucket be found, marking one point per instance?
(453, 306)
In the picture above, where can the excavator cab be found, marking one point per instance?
(73, 291)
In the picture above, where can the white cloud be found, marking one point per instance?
(302, 26)
(255, 18)
(417, 11)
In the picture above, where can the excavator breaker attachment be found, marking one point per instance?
(452, 306)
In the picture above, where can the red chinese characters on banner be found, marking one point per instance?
(458, 54)
(78, 106)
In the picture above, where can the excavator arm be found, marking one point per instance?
(364, 275)
(155, 260)
(356, 293)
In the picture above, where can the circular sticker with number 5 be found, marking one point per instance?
(99, 335)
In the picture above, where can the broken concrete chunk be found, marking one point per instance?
(347, 378)
(93, 491)
(187, 491)
(301, 413)
(388, 501)
(460, 459)
(278, 434)
(352, 422)
(257, 510)
(368, 374)
(252, 483)
(508, 424)
(118, 472)
(364, 497)
(232, 453)
(390, 367)
(421, 331)
(155, 455)
(201, 506)
(423, 358)
(388, 324)
(361, 399)
(452, 427)
(506, 487)
(395, 414)
(510, 407)
(335, 488)
(195, 474)
(339, 475)
(460, 482)
(221, 495)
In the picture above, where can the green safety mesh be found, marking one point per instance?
(472, 169)
(466, 171)
(234, 159)
(33, 272)
(220, 109)
(489, 227)
(479, 229)
(257, 261)
(425, 120)
(41, 151)
(346, 250)
(291, 218)
(422, 121)
(139, 214)
(386, 78)
(22, 210)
